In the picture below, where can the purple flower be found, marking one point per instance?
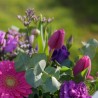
(81, 65)
(13, 32)
(2, 35)
(56, 41)
(11, 43)
(71, 89)
(60, 54)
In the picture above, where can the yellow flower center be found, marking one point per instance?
(10, 81)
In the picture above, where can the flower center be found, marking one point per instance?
(10, 81)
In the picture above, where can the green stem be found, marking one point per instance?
(50, 54)
(47, 74)
(27, 32)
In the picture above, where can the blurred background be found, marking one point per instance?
(77, 17)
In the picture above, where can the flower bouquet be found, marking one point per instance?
(36, 63)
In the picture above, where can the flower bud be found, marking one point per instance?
(35, 32)
(31, 39)
(81, 65)
(56, 41)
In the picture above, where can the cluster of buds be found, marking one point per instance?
(47, 20)
(29, 17)
(26, 44)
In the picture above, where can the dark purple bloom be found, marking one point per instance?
(71, 89)
(60, 54)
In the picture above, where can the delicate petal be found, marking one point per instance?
(56, 41)
(12, 84)
(81, 65)
(60, 54)
(11, 43)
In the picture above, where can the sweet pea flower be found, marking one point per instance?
(60, 54)
(11, 43)
(81, 65)
(56, 41)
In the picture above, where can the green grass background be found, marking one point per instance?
(64, 17)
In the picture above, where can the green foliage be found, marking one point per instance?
(36, 58)
(32, 79)
(50, 79)
(89, 48)
(51, 85)
(53, 71)
(36, 73)
(21, 62)
(67, 63)
(24, 62)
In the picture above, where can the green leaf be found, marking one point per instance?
(84, 73)
(51, 85)
(67, 63)
(24, 62)
(32, 79)
(39, 67)
(92, 87)
(89, 48)
(21, 61)
(93, 42)
(35, 59)
(65, 77)
(64, 69)
(53, 71)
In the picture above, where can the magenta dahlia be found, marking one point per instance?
(12, 83)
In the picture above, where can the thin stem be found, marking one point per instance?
(47, 74)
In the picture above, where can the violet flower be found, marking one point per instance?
(11, 43)
(71, 89)
(60, 54)
(56, 41)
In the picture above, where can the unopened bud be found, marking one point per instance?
(31, 39)
(35, 32)
(56, 41)
(19, 17)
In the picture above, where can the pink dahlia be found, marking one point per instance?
(12, 83)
